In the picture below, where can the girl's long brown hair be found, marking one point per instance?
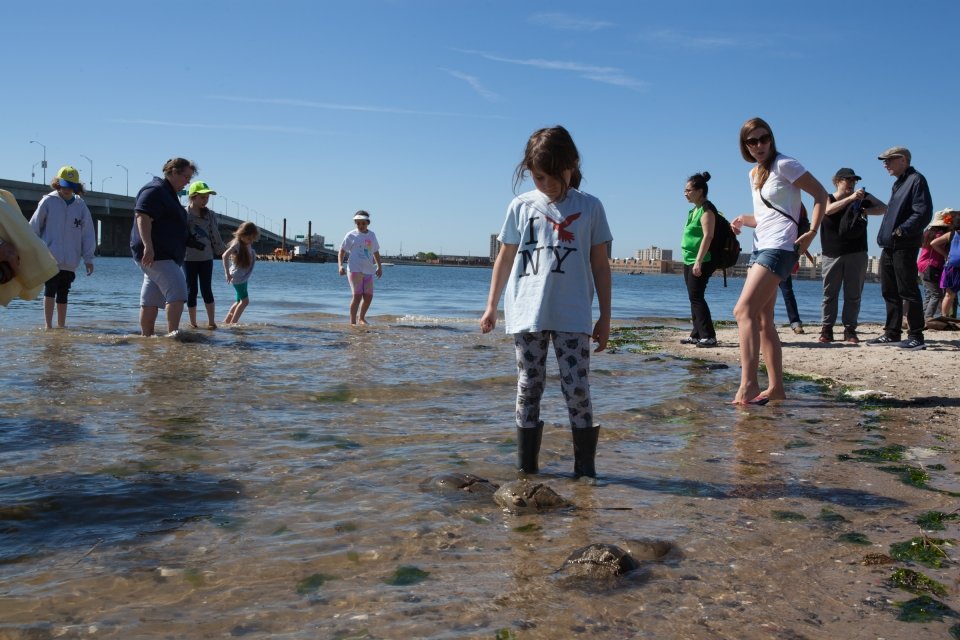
(551, 151)
(763, 170)
(249, 231)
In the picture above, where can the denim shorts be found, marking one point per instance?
(163, 283)
(778, 261)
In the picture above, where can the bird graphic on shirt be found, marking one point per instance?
(561, 227)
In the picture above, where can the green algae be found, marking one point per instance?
(528, 528)
(890, 453)
(194, 577)
(788, 516)
(913, 476)
(407, 575)
(635, 337)
(926, 551)
(924, 609)
(505, 634)
(342, 394)
(934, 520)
(855, 538)
(831, 517)
(312, 583)
(916, 583)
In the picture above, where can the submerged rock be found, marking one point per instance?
(599, 560)
(524, 496)
(459, 484)
(188, 337)
(601, 567)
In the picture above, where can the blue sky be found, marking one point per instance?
(418, 110)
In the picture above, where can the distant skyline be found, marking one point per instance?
(418, 110)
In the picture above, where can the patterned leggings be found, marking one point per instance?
(573, 357)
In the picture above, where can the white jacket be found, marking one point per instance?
(67, 229)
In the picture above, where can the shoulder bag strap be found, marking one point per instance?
(778, 210)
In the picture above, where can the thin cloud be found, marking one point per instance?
(233, 127)
(607, 75)
(475, 85)
(680, 39)
(566, 22)
(331, 106)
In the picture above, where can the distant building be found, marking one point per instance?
(494, 247)
(654, 254)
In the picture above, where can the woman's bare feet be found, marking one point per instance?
(746, 394)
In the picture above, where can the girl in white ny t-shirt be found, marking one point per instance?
(553, 256)
(775, 184)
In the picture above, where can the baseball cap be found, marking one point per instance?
(894, 152)
(846, 172)
(69, 177)
(199, 188)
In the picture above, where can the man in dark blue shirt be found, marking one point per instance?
(158, 241)
(901, 232)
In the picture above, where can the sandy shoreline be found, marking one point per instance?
(922, 384)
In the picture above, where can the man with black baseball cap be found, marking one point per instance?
(901, 232)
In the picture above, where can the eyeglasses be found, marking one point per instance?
(764, 139)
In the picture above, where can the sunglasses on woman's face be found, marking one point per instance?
(764, 139)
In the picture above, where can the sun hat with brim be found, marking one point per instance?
(943, 218)
(69, 177)
(200, 188)
(894, 152)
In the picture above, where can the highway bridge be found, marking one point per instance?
(113, 218)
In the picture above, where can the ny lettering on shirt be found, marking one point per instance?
(557, 253)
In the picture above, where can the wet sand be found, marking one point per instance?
(918, 385)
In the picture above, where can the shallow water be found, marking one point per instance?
(270, 480)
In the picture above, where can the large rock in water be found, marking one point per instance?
(524, 496)
(603, 567)
(599, 561)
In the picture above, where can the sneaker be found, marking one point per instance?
(912, 344)
(850, 337)
(689, 341)
(882, 341)
(707, 342)
(797, 328)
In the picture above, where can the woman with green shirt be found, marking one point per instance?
(697, 263)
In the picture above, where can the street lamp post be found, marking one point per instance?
(226, 204)
(127, 172)
(91, 169)
(238, 208)
(44, 163)
(103, 181)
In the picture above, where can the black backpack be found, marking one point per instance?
(724, 247)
